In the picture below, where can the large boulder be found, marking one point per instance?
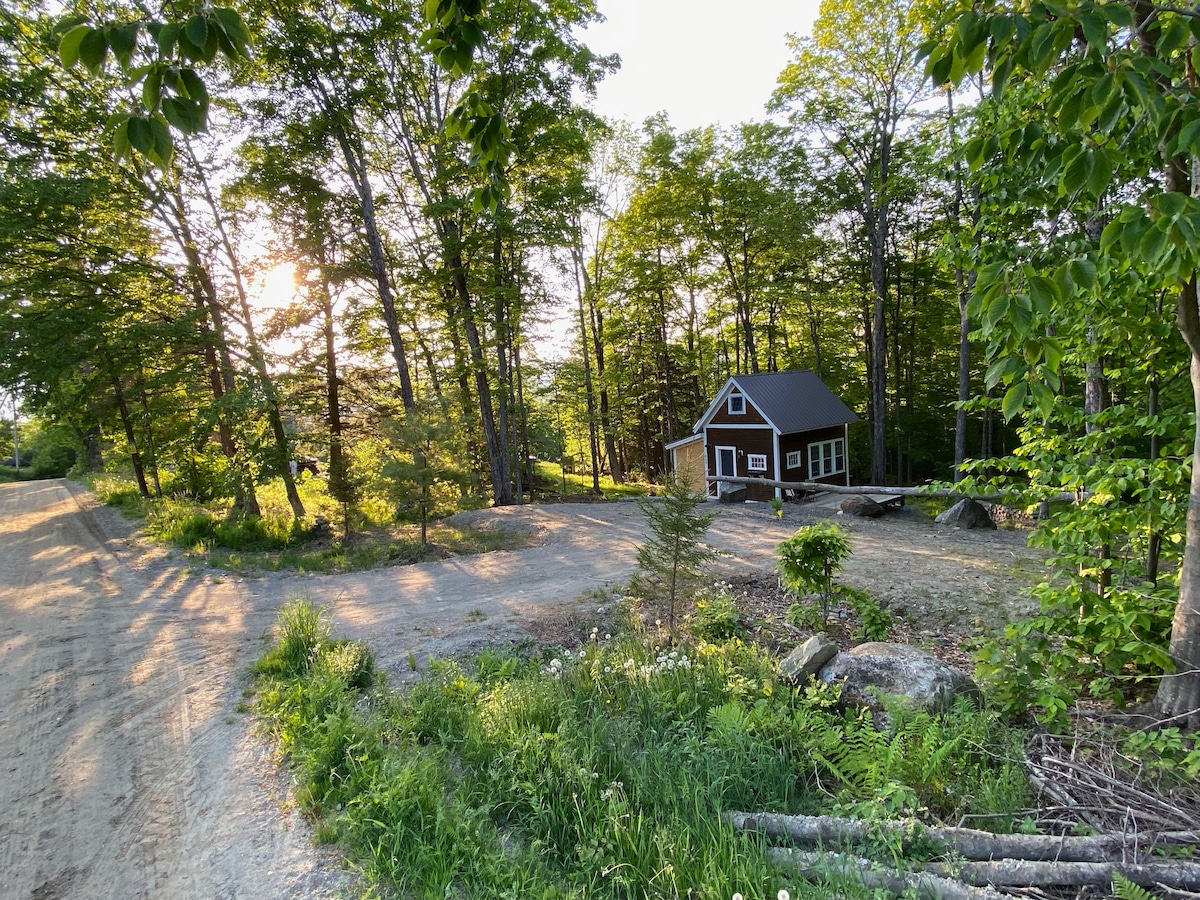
(966, 513)
(870, 672)
(808, 658)
(862, 506)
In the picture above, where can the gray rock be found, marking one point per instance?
(730, 493)
(862, 506)
(871, 671)
(808, 658)
(966, 513)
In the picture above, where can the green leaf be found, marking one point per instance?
(152, 89)
(166, 38)
(1186, 140)
(192, 86)
(123, 41)
(164, 146)
(1014, 400)
(234, 28)
(1052, 349)
(68, 47)
(196, 30)
(121, 145)
(1043, 293)
(1099, 172)
(141, 135)
(93, 49)
(1170, 203)
(182, 114)
(1083, 272)
(996, 312)
(1044, 398)
(1095, 29)
(1001, 370)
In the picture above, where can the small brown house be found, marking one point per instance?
(781, 426)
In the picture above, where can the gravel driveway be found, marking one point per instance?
(130, 772)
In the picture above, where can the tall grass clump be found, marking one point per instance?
(598, 772)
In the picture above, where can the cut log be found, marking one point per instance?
(965, 842)
(824, 866)
(1177, 874)
(979, 880)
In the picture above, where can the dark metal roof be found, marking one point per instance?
(794, 401)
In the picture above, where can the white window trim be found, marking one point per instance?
(795, 459)
(752, 458)
(816, 458)
(729, 404)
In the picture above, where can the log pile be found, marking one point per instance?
(979, 862)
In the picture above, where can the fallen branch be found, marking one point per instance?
(965, 842)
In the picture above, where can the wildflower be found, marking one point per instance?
(737, 897)
(783, 895)
(607, 669)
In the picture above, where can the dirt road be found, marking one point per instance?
(128, 770)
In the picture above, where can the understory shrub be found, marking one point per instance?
(600, 772)
(1110, 646)
(716, 617)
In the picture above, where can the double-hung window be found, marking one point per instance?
(826, 458)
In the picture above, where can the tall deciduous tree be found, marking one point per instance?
(853, 83)
(1123, 94)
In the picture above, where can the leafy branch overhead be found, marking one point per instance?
(454, 36)
(158, 61)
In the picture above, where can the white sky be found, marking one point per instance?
(705, 62)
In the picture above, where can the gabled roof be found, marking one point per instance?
(789, 401)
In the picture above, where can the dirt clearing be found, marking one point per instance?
(129, 770)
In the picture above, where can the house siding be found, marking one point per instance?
(689, 463)
(747, 440)
(750, 417)
(790, 443)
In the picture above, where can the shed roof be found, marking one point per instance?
(790, 401)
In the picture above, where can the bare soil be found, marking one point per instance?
(130, 767)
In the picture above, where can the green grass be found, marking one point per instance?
(553, 481)
(603, 772)
(275, 542)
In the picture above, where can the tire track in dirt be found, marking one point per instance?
(128, 766)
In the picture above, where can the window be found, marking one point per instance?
(736, 405)
(826, 458)
(794, 460)
(756, 462)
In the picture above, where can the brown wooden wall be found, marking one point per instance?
(789, 443)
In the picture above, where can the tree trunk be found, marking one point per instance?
(497, 458)
(135, 455)
(282, 451)
(1178, 695)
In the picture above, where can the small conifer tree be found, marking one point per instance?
(671, 563)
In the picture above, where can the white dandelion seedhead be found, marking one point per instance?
(783, 895)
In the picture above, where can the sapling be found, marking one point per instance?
(809, 559)
(671, 564)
